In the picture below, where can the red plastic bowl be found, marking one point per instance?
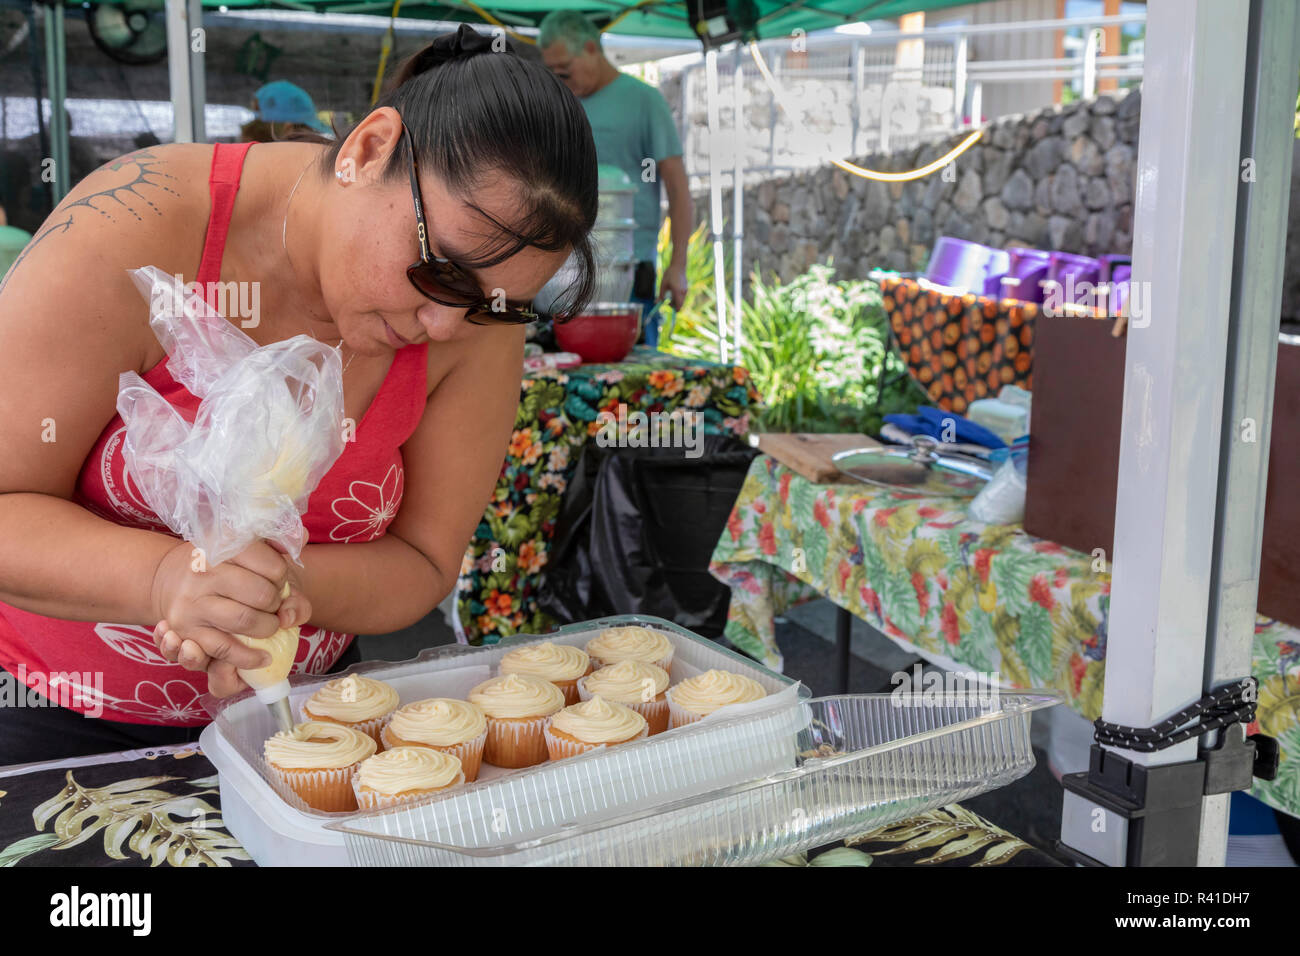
(605, 332)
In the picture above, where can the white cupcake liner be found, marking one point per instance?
(468, 752)
(517, 742)
(326, 790)
(560, 747)
(374, 800)
(679, 716)
(654, 711)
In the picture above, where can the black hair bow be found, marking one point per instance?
(463, 43)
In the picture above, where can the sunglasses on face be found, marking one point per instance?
(442, 281)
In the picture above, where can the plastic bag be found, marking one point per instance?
(1002, 500)
(269, 426)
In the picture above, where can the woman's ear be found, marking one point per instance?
(365, 153)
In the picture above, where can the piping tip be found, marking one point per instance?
(282, 714)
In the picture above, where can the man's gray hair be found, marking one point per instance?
(569, 26)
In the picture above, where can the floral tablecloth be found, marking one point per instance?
(558, 411)
(163, 808)
(988, 598)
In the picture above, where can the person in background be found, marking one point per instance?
(631, 123)
(282, 110)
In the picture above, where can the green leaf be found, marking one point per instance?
(1034, 644)
(898, 602)
(14, 852)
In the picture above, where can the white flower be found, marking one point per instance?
(368, 508)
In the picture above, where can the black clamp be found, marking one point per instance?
(1163, 803)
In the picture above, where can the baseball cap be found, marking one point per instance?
(284, 102)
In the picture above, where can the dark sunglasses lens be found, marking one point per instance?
(442, 287)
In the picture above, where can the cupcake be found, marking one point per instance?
(454, 727)
(591, 725)
(632, 684)
(354, 701)
(700, 696)
(560, 664)
(316, 760)
(617, 644)
(404, 774)
(516, 707)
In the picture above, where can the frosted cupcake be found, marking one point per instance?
(632, 684)
(591, 725)
(560, 664)
(697, 697)
(617, 644)
(516, 707)
(354, 701)
(454, 727)
(404, 774)
(317, 760)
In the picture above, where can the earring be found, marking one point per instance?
(338, 174)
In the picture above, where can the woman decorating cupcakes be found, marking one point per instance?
(414, 243)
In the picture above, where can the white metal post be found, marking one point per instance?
(715, 198)
(959, 83)
(179, 74)
(738, 198)
(1174, 367)
(1259, 255)
(1090, 64)
(198, 81)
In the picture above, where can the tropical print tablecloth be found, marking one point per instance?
(163, 808)
(558, 413)
(988, 598)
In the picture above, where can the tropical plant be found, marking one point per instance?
(814, 346)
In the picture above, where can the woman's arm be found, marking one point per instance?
(70, 323)
(452, 462)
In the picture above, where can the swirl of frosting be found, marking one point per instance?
(713, 689)
(547, 661)
(353, 699)
(627, 682)
(439, 721)
(317, 745)
(517, 695)
(597, 721)
(408, 768)
(617, 644)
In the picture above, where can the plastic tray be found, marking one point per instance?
(863, 762)
(735, 745)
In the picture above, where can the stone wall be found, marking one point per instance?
(1060, 178)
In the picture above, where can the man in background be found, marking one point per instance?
(283, 108)
(631, 123)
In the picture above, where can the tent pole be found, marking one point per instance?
(56, 79)
(738, 193)
(1198, 362)
(179, 74)
(198, 82)
(715, 200)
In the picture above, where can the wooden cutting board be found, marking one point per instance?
(810, 454)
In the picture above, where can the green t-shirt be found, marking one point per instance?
(631, 122)
(12, 243)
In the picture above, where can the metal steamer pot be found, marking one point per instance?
(612, 239)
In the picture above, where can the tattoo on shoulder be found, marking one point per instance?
(137, 174)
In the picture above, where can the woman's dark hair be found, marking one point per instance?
(476, 117)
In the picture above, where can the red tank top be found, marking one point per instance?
(117, 665)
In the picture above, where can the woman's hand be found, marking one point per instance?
(199, 611)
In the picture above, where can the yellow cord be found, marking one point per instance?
(497, 23)
(845, 165)
(385, 49)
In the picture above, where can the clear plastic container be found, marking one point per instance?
(862, 762)
(735, 745)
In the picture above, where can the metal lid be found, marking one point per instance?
(919, 468)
